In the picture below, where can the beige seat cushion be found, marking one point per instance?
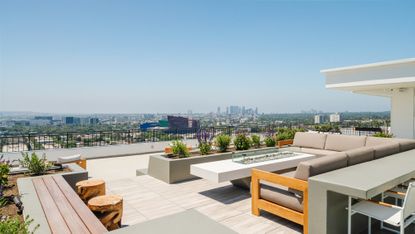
(309, 140)
(318, 152)
(386, 150)
(343, 143)
(320, 165)
(359, 155)
(282, 197)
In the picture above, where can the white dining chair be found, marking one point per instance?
(394, 215)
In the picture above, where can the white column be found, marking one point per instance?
(402, 113)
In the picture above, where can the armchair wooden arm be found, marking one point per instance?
(284, 212)
(283, 143)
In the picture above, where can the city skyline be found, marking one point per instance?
(165, 57)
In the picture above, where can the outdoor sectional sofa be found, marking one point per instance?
(286, 194)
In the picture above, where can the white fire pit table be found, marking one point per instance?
(239, 174)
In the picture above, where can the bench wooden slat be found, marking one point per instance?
(56, 222)
(90, 220)
(71, 217)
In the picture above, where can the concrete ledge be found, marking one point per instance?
(102, 151)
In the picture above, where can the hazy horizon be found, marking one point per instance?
(179, 113)
(174, 56)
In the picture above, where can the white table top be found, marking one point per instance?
(226, 170)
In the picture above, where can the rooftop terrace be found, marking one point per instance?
(146, 198)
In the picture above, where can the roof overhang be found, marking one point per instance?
(373, 79)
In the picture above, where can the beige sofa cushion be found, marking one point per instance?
(374, 141)
(317, 152)
(309, 140)
(320, 165)
(386, 150)
(405, 144)
(359, 155)
(343, 143)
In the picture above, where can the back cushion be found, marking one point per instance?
(405, 144)
(374, 141)
(386, 150)
(343, 143)
(309, 140)
(359, 155)
(320, 165)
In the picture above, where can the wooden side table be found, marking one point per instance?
(108, 209)
(88, 189)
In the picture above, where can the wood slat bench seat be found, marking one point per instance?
(64, 210)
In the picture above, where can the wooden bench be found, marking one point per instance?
(64, 210)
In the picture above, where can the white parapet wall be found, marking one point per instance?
(102, 151)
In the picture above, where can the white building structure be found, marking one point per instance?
(393, 79)
(318, 119)
(335, 118)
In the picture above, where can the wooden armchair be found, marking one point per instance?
(260, 204)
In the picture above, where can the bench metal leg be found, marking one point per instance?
(349, 216)
(369, 225)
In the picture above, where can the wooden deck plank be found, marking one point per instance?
(89, 219)
(55, 220)
(72, 219)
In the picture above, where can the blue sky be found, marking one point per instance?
(172, 56)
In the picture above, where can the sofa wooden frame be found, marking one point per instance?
(281, 211)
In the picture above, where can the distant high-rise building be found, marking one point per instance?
(71, 120)
(243, 110)
(235, 110)
(227, 110)
(41, 120)
(93, 121)
(256, 110)
(335, 118)
(50, 118)
(318, 119)
(182, 123)
(84, 121)
(218, 110)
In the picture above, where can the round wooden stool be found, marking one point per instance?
(88, 189)
(108, 209)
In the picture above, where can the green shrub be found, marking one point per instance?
(256, 141)
(222, 142)
(269, 141)
(205, 148)
(242, 142)
(180, 149)
(383, 134)
(4, 179)
(287, 133)
(4, 173)
(283, 136)
(15, 226)
(35, 165)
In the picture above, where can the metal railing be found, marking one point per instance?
(28, 142)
